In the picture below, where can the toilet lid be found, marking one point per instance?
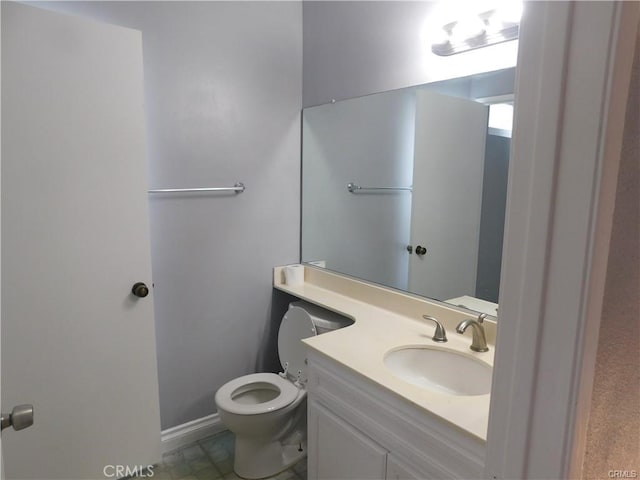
(295, 326)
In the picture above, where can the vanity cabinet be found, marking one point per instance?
(343, 452)
(359, 430)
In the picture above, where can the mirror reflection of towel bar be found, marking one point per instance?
(238, 188)
(353, 188)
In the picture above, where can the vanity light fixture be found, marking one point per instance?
(488, 28)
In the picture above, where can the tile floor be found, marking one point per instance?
(211, 459)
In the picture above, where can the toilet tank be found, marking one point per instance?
(323, 319)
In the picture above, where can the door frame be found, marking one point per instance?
(562, 184)
(1, 406)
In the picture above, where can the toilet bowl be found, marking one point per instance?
(267, 411)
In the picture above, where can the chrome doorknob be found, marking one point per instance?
(140, 290)
(20, 417)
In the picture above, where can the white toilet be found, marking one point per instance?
(267, 412)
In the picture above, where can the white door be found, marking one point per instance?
(447, 195)
(75, 342)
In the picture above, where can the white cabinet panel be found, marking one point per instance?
(341, 451)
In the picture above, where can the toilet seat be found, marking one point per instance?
(288, 392)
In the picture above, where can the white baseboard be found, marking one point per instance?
(182, 435)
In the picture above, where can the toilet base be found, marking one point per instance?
(255, 459)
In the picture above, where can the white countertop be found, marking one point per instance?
(386, 319)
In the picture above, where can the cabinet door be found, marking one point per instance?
(397, 470)
(339, 451)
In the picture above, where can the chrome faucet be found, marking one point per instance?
(441, 334)
(479, 340)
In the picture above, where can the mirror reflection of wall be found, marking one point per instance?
(494, 197)
(447, 140)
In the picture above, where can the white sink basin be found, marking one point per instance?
(440, 370)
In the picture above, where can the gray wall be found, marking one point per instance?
(223, 86)
(355, 48)
(494, 203)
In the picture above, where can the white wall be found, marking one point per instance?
(223, 98)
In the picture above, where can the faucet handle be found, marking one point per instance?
(481, 317)
(440, 335)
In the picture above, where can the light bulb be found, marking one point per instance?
(467, 28)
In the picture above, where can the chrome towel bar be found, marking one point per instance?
(238, 188)
(353, 188)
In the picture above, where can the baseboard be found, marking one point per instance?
(182, 435)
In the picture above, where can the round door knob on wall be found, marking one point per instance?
(20, 418)
(420, 250)
(140, 290)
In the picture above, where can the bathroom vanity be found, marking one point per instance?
(384, 399)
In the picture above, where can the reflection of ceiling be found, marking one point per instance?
(501, 116)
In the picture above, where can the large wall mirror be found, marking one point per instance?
(407, 188)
